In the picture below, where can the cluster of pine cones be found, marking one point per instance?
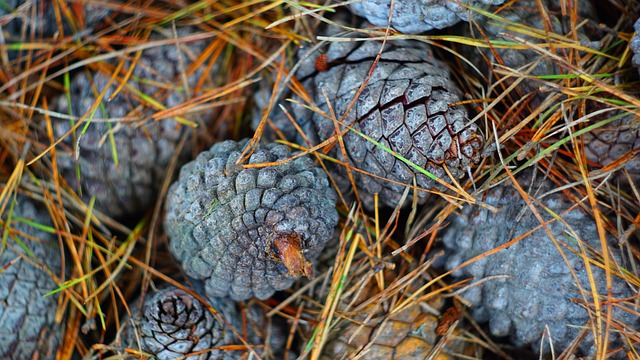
(374, 121)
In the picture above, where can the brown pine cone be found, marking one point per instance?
(410, 105)
(369, 330)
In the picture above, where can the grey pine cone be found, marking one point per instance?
(416, 16)
(249, 232)
(539, 288)
(634, 45)
(409, 105)
(173, 323)
(526, 13)
(43, 24)
(144, 146)
(27, 318)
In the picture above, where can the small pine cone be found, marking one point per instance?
(44, 23)
(539, 289)
(144, 147)
(409, 105)
(613, 142)
(371, 332)
(173, 323)
(526, 13)
(634, 45)
(249, 231)
(27, 317)
(416, 16)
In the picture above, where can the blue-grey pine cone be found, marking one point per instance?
(539, 288)
(416, 16)
(249, 232)
(43, 24)
(634, 45)
(173, 323)
(27, 318)
(526, 13)
(144, 146)
(409, 105)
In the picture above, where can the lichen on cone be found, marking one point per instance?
(28, 329)
(121, 157)
(409, 105)
(530, 291)
(249, 231)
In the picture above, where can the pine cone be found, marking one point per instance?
(614, 141)
(539, 289)
(44, 23)
(249, 232)
(173, 323)
(144, 146)
(27, 318)
(409, 106)
(371, 332)
(634, 45)
(526, 13)
(416, 16)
